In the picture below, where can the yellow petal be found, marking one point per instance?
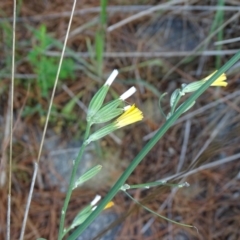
(220, 81)
(132, 115)
(219, 84)
(109, 205)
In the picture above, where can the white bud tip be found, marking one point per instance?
(126, 107)
(128, 93)
(95, 200)
(187, 184)
(112, 77)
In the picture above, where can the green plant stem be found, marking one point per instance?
(100, 36)
(71, 183)
(114, 190)
(103, 13)
(220, 18)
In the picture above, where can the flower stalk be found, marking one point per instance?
(71, 184)
(97, 113)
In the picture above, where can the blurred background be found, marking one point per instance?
(156, 46)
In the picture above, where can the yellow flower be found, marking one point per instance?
(218, 82)
(131, 115)
(109, 205)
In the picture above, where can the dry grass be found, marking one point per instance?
(211, 203)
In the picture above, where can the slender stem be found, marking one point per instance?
(114, 190)
(71, 183)
(11, 123)
(56, 82)
(161, 216)
(29, 201)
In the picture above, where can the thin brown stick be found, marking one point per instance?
(123, 9)
(29, 201)
(143, 13)
(11, 124)
(166, 54)
(184, 145)
(234, 17)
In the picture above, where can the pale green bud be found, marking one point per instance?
(174, 97)
(110, 110)
(81, 216)
(107, 112)
(102, 133)
(191, 87)
(131, 115)
(97, 100)
(87, 175)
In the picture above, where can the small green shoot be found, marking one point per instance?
(100, 37)
(219, 20)
(44, 66)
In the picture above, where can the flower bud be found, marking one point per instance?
(97, 100)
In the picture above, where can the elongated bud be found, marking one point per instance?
(95, 200)
(83, 214)
(97, 100)
(192, 87)
(174, 97)
(87, 175)
(101, 133)
(131, 115)
(111, 78)
(128, 93)
(111, 110)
